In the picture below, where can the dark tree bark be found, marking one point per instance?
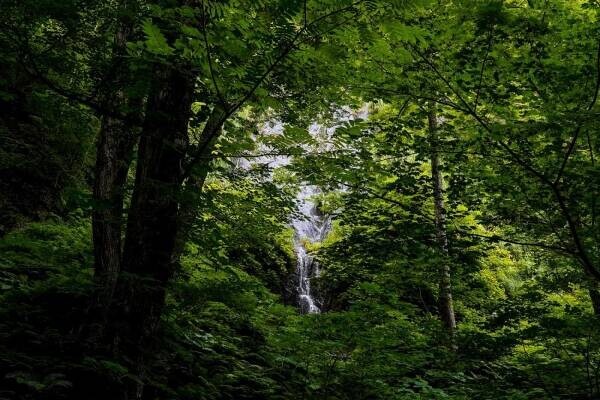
(446, 306)
(113, 158)
(152, 225)
(154, 206)
(199, 169)
(595, 298)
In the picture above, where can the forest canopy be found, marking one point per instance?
(299, 199)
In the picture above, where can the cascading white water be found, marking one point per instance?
(310, 227)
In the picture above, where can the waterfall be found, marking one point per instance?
(310, 224)
(310, 227)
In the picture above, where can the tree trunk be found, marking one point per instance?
(112, 164)
(197, 177)
(595, 298)
(113, 158)
(153, 216)
(446, 307)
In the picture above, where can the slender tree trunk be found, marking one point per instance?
(446, 306)
(153, 216)
(113, 158)
(595, 298)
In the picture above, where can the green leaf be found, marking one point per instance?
(156, 42)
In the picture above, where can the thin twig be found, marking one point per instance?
(487, 53)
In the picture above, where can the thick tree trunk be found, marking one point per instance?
(152, 224)
(112, 164)
(446, 306)
(197, 177)
(113, 157)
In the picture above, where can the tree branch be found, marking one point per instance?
(573, 142)
(209, 58)
(584, 259)
(487, 53)
(286, 50)
(30, 67)
(495, 238)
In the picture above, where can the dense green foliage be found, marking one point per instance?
(453, 144)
